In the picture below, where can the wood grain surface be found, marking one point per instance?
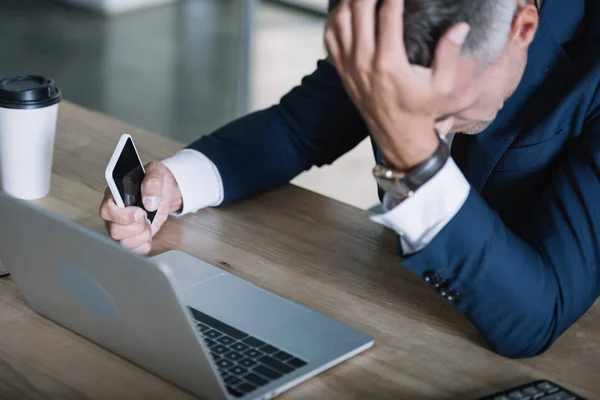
(316, 251)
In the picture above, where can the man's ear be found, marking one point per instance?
(525, 25)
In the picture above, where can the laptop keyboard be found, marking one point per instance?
(538, 390)
(245, 362)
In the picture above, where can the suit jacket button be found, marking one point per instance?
(445, 290)
(453, 296)
(432, 278)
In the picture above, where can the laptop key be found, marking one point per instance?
(210, 343)
(225, 340)
(547, 387)
(253, 353)
(212, 334)
(219, 349)
(232, 380)
(224, 375)
(224, 364)
(255, 379)
(202, 327)
(216, 357)
(246, 388)
(532, 391)
(276, 365)
(267, 372)
(282, 356)
(559, 396)
(216, 324)
(233, 356)
(296, 362)
(239, 347)
(268, 349)
(518, 395)
(234, 392)
(253, 342)
(247, 363)
(237, 370)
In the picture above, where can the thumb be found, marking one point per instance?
(152, 186)
(447, 58)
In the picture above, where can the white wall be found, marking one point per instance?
(281, 55)
(117, 6)
(315, 4)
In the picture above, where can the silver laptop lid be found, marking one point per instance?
(89, 284)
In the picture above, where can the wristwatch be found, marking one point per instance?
(402, 185)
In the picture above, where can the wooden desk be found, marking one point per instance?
(316, 251)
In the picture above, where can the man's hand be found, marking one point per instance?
(399, 102)
(130, 225)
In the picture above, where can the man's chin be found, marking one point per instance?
(473, 129)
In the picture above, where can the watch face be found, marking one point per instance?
(388, 186)
(391, 182)
(393, 189)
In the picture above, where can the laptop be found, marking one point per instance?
(193, 324)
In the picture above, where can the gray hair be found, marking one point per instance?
(425, 21)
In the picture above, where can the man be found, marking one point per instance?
(507, 229)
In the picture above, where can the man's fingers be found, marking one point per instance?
(156, 225)
(137, 241)
(447, 58)
(111, 212)
(152, 186)
(390, 38)
(333, 49)
(340, 23)
(143, 249)
(363, 26)
(120, 232)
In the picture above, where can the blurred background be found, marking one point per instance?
(180, 68)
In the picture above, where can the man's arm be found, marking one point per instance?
(313, 125)
(523, 291)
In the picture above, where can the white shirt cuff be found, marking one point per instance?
(419, 218)
(199, 180)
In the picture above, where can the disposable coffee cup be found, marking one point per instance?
(28, 116)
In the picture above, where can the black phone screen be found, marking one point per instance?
(128, 176)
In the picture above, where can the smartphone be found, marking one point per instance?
(124, 175)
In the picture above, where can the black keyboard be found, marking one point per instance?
(539, 390)
(245, 362)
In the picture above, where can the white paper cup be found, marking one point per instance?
(28, 116)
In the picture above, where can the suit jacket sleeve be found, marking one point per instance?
(523, 291)
(313, 125)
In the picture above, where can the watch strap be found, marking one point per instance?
(418, 176)
(403, 184)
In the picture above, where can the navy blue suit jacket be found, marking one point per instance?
(524, 250)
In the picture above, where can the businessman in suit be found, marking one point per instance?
(506, 226)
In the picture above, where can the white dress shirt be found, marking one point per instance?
(417, 220)
(198, 178)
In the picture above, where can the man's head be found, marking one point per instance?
(494, 56)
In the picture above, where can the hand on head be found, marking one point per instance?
(399, 101)
(130, 225)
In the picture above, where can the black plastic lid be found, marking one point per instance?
(28, 92)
